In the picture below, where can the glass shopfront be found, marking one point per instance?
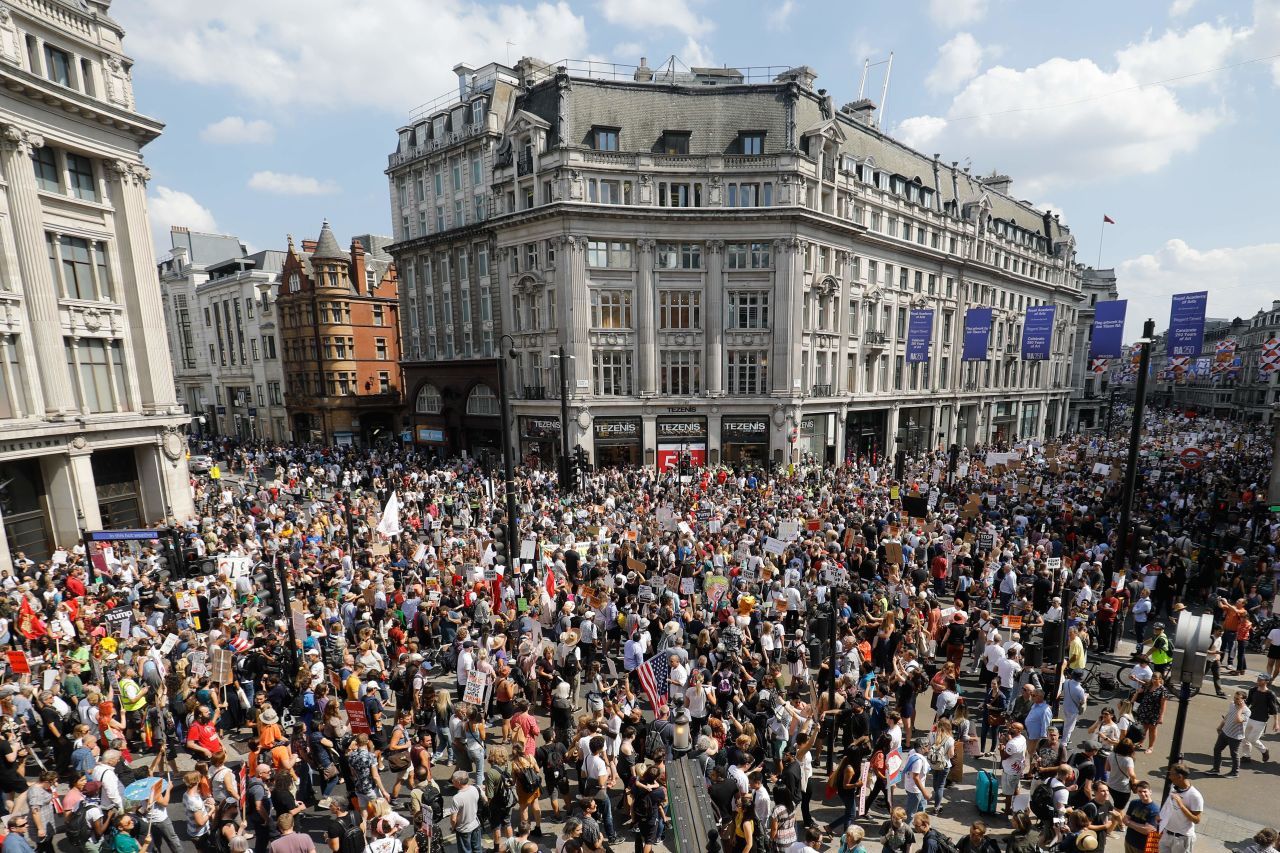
(816, 431)
(540, 440)
(864, 436)
(744, 440)
(617, 441)
(679, 436)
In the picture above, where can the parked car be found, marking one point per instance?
(200, 464)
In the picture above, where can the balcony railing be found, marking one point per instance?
(822, 390)
(1010, 350)
(535, 392)
(524, 166)
(876, 338)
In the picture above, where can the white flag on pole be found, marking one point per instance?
(389, 526)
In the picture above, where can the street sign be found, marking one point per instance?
(1191, 458)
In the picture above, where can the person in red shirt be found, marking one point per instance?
(1108, 607)
(202, 736)
(75, 582)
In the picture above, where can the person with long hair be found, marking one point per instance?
(846, 780)
(1149, 705)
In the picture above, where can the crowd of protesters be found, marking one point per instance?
(343, 630)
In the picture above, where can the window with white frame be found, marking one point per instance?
(611, 372)
(680, 372)
(482, 401)
(748, 309)
(610, 309)
(679, 309)
(610, 254)
(748, 372)
(97, 365)
(679, 256)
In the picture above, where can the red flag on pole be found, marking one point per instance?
(29, 624)
(1106, 219)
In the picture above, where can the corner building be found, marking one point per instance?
(91, 434)
(730, 262)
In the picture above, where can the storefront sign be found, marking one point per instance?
(685, 428)
(617, 430)
(681, 437)
(531, 427)
(748, 430)
(430, 436)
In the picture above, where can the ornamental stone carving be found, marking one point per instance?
(20, 139)
(645, 244)
(715, 247)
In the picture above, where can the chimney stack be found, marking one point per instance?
(464, 73)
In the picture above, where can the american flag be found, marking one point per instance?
(240, 643)
(654, 674)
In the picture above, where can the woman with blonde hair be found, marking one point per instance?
(527, 777)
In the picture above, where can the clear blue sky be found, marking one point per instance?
(281, 113)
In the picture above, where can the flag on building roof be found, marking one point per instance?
(1107, 219)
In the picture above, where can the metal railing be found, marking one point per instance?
(524, 165)
(535, 392)
(822, 390)
(876, 338)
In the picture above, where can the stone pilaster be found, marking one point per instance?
(715, 319)
(40, 294)
(646, 339)
(144, 308)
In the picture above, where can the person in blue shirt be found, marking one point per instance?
(1038, 720)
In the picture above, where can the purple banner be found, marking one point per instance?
(977, 334)
(919, 334)
(1037, 333)
(1186, 323)
(1108, 329)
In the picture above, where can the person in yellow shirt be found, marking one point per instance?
(133, 698)
(1076, 657)
(352, 684)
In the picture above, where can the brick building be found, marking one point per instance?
(339, 328)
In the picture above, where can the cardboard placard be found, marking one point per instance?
(1053, 563)
(715, 586)
(119, 620)
(357, 718)
(1013, 623)
(637, 566)
(986, 541)
(893, 552)
(170, 641)
(673, 583)
(187, 600)
(774, 546)
(223, 671)
(477, 684)
(18, 662)
(788, 531)
(687, 586)
(234, 567)
(645, 594)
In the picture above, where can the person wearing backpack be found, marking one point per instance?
(913, 773)
(931, 840)
(199, 813)
(940, 752)
(499, 793)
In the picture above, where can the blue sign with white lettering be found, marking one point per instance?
(1108, 329)
(1186, 322)
(977, 334)
(919, 334)
(1037, 333)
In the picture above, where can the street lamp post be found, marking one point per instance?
(566, 476)
(508, 455)
(1130, 553)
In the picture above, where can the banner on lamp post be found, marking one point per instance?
(1186, 323)
(977, 334)
(1108, 329)
(1037, 333)
(919, 334)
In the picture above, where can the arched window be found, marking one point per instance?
(428, 402)
(482, 401)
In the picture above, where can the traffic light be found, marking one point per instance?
(954, 458)
(500, 544)
(581, 464)
(899, 465)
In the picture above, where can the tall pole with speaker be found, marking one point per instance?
(1190, 643)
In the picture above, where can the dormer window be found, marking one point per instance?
(605, 138)
(675, 142)
(477, 112)
(294, 285)
(437, 128)
(751, 142)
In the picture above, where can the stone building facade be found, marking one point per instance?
(91, 435)
(338, 314)
(1091, 393)
(731, 265)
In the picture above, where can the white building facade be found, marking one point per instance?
(91, 435)
(1091, 393)
(732, 266)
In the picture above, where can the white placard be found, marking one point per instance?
(774, 546)
(528, 548)
(234, 567)
(788, 531)
(170, 642)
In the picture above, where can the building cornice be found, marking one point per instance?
(78, 105)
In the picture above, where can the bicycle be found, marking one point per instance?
(1174, 689)
(1100, 684)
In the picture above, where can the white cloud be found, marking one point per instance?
(280, 183)
(234, 130)
(958, 61)
(1264, 37)
(1199, 48)
(1240, 280)
(629, 52)
(780, 18)
(167, 207)
(332, 55)
(1062, 122)
(1180, 8)
(655, 14)
(956, 13)
(696, 54)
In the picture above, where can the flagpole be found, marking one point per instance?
(1101, 233)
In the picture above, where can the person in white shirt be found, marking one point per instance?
(1013, 755)
(677, 678)
(1007, 671)
(466, 663)
(1180, 813)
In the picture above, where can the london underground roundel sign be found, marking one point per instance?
(1192, 458)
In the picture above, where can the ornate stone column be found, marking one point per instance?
(646, 339)
(143, 307)
(714, 318)
(578, 327)
(40, 295)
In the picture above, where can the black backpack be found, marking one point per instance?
(504, 795)
(1042, 801)
(77, 825)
